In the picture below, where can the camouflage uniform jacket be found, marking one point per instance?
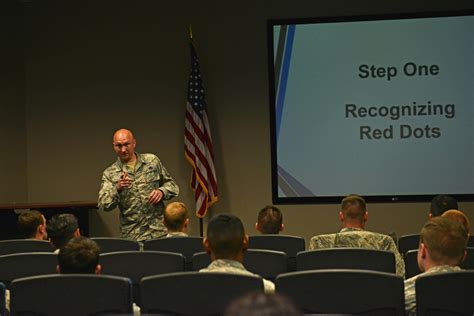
(410, 293)
(139, 220)
(359, 238)
(177, 234)
(235, 267)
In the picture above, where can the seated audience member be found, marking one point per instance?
(459, 217)
(176, 219)
(442, 248)
(257, 304)
(270, 220)
(226, 243)
(442, 203)
(353, 216)
(81, 255)
(32, 225)
(61, 228)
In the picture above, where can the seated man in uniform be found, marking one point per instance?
(353, 216)
(442, 249)
(442, 203)
(61, 228)
(176, 219)
(81, 255)
(226, 243)
(32, 225)
(270, 220)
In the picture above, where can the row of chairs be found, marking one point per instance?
(191, 293)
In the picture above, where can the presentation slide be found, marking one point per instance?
(381, 108)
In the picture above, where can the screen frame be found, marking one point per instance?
(272, 102)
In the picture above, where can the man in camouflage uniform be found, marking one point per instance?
(353, 216)
(226, 243)
(442, 248)
(137, 184)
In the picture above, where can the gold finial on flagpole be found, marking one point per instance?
(190, 31)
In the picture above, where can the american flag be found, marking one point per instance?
(198, 142)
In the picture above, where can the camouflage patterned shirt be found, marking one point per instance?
(359, 238)
(235, 267)
(139, 220)
(410, 293)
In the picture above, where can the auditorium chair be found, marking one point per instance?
(194, 293)
(24, 245)
(266, 263)
(3, 311)
(137, 264)
(346, 258)
(187, 246)
(109, 244)
(408, 242)
(449, 293)
(21, 265)
(72, 295)
(342, 291)
(290, 245)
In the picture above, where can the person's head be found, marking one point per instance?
(442, 203)
(226, 238)
(176, 217)
(124, 144)
(459, 217)
(32, 224)
(269, 220)
(261, 304)
(61, 228)
(442, 242)
(79, 255)
(353, 211)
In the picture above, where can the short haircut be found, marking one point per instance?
(270, 220)
(353, 207)
(175, 215)
(79, 255)
(445, 239)
(442, 203)
(225, 233)
(28, 222)
(459, 217)
(258, 303)
(61, 228)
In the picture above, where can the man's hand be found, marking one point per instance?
(155, 196)
(124, 182)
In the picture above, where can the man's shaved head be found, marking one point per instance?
(124, 144)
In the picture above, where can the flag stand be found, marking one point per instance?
(200, 227)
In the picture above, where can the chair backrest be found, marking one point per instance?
(71, 294)
(344, 291)
(346, 258)
(266, 263)
(290, 245)
(109, 244)
(187, 246)
(3, 311)
(408, 242)
(449, 293)
(194, 293)
(138, 264)
(411, 263)
(24, 245)
(22, 265)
